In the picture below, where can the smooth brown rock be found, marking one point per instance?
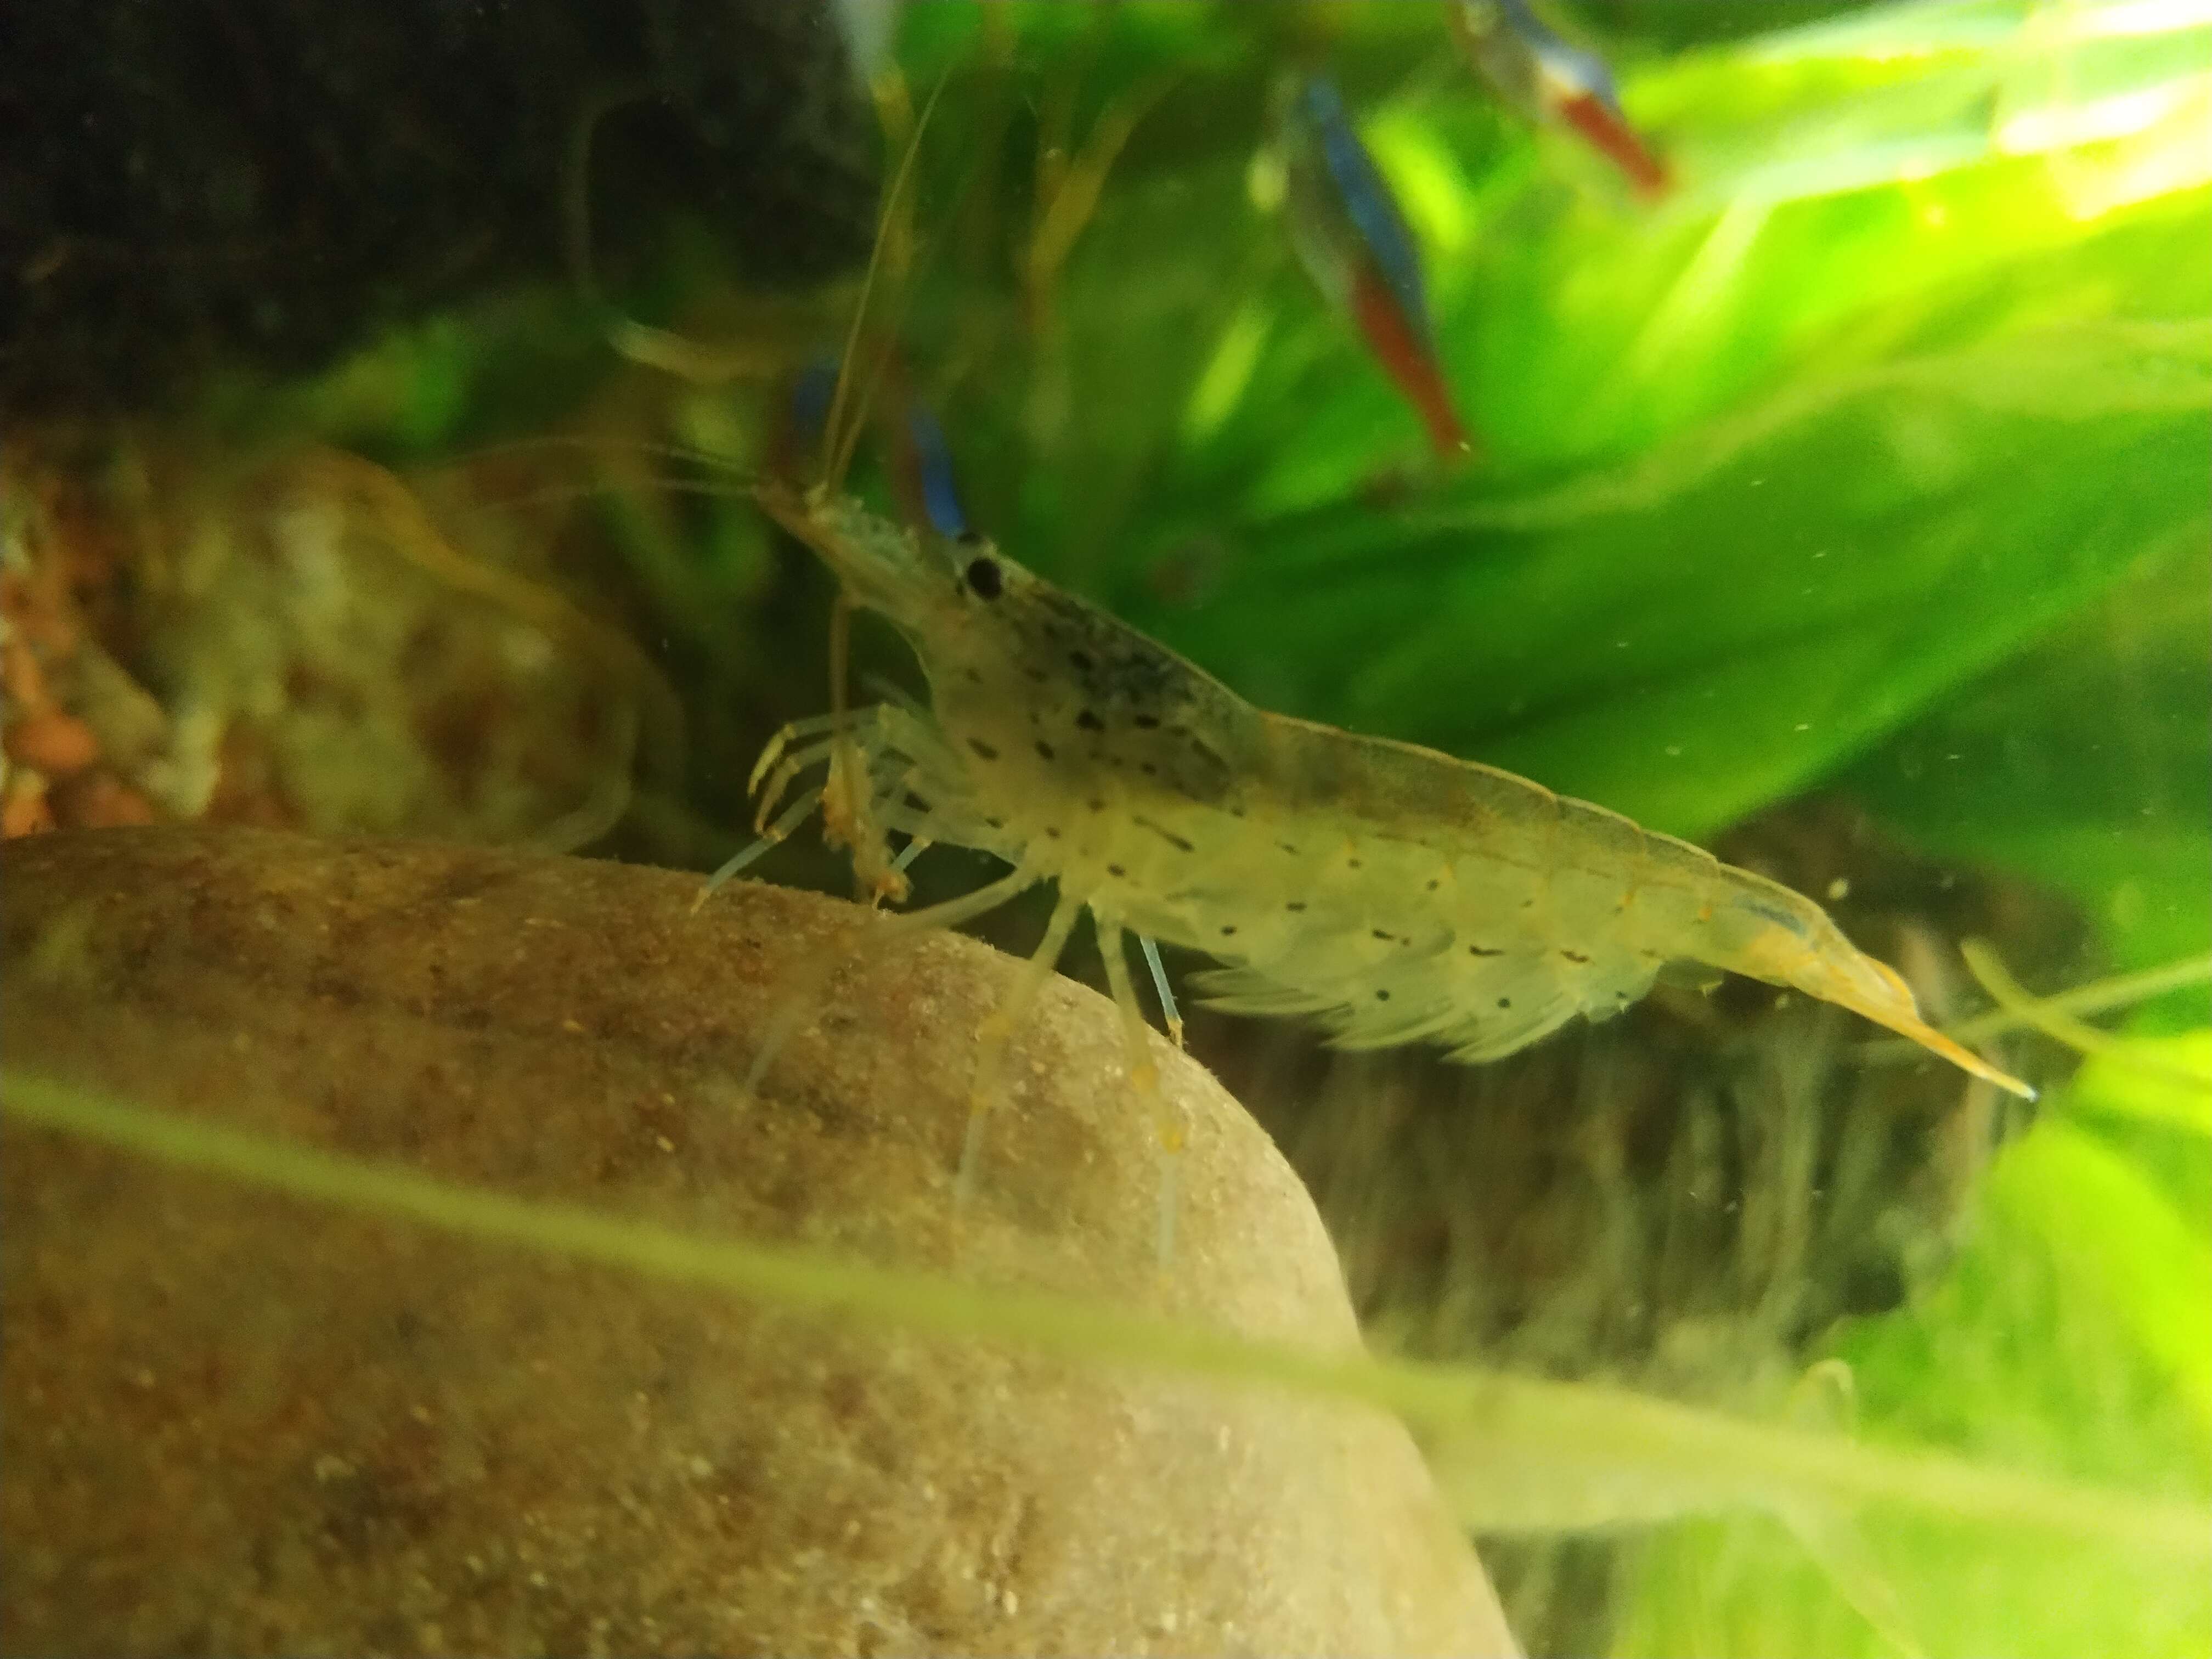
(238, 1424)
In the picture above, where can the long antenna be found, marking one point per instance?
(838, 441)
(577, 207)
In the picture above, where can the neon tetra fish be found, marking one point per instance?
(1355, 243)
(1531, 68)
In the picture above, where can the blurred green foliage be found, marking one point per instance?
(2074, 1335)
(2085, 762)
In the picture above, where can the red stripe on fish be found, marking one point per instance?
(1408, 361)
(1588, 115)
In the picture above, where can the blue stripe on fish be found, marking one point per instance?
(940, 497)
(1367, 199)
(812, 393)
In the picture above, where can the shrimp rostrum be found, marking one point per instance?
(1393, 893)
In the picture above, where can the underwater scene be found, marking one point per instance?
(1097, 826)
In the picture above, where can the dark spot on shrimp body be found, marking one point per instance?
(1165, 834)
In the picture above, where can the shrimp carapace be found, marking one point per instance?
(1392, 892)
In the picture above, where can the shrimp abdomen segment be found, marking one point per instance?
(1480, 1002)
(1442, 901)
(1482, 942)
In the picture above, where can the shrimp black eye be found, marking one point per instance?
(984, 578)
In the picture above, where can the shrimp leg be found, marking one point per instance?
(886, 934)
(996, 1027)
(1169, 1012)
(767, 838)
(921, 827)
(1145, 1079)
(802, 759)
(847, 804)
(788, 762)
(786, 735)
(854, 799)
(844, 812)
(767, 833)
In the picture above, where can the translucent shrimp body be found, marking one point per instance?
(1392, 892)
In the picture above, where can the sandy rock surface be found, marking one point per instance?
(237, 1424)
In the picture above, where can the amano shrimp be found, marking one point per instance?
(1392, 892)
